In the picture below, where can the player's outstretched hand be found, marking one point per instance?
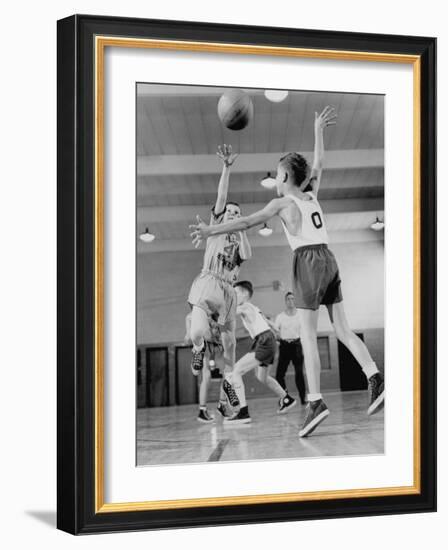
(326, 118)
(225, 154)
(199, 233)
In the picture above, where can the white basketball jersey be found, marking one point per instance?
(253, 319)
(222, 253)
(312, 230)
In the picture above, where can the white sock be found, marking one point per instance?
(370, 369)
(314, 396)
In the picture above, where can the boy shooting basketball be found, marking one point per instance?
(212, 295)
(316, 277)
(260, 357)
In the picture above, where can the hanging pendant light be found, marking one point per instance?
(147, 237)
(377, 225)
(268, 182)
(276, 96)
(265, 231)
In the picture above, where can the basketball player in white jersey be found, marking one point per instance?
(260, 357)
(316, 277)
(212, 295)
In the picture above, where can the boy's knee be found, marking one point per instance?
(236, 377)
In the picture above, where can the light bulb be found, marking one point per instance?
(268, 182)
(377, 225)
(265, 231)
(276, 96)
(147, 237)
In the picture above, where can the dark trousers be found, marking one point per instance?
(291, 352)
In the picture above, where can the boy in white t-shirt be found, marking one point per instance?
(261, 355)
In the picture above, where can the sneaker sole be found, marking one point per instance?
(229, 422)
(314, 423)
(377, 405)
(288, 408)
(205, 421)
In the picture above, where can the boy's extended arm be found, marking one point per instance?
(228, 158)
(326, 118)
(201, 231)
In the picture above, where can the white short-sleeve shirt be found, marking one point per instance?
(288, 325)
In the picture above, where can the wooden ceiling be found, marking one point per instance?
(171, 124)
(175, 124)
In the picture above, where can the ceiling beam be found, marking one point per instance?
(158, 165)
(188, 213)
(244, 196)
(332, 180)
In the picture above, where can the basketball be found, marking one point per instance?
(235, 109)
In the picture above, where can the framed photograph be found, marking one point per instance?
(246, 274)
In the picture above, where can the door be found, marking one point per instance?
(156, 377)
(350, 372)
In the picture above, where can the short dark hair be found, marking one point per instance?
(296, 165)
(247, 285)
(234, 203)
(289, 293)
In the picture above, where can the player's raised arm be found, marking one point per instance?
(326, 118)
(228, 158)
(201, 231)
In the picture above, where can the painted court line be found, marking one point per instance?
(218, 450)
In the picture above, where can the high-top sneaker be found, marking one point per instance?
(286, 403)
(317, 412)
(205, 417)
(197, 360)
(230, 393)
(376, 391)
(241, 417)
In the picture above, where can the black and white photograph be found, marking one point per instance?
(259, 274)
(246, 267)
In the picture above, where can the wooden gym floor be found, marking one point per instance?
(172, 435)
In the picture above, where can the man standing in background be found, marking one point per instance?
(287, 324)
